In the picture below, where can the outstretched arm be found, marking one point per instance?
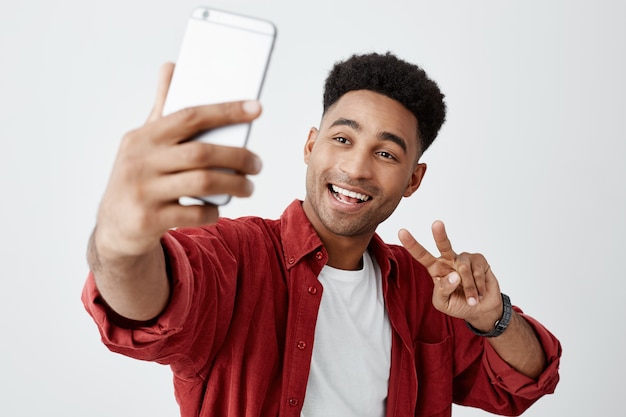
(466, 288)
(156, 165)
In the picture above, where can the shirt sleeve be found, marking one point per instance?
(491, 384)
(189, 320)
(518, 384)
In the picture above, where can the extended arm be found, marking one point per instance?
(155, 166)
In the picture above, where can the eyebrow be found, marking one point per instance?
(353, 124)
(347, 122)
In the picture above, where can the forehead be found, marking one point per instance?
(375, 112)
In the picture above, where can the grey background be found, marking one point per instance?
(528, 169)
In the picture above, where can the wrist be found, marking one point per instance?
(114, 244)
(106, 257)
(501, 324)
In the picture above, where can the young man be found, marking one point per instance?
(311, 314)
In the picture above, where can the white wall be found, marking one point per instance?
(528, 169)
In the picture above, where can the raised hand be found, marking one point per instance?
(156, 165)
(465, 287)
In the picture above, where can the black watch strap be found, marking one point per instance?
(502, 324)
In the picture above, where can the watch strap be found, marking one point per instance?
(501, 324)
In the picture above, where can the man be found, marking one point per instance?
(311, 314)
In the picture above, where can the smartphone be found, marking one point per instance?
(223, 57)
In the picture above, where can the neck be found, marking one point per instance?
(344, 251)
(347, 258)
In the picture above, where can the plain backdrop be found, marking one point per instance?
(529, 169)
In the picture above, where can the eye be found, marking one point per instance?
(386, 155)
(341, 139)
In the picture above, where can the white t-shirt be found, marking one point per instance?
(352, 347)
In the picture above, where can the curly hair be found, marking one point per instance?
(397, 79)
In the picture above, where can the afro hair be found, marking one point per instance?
(397, 79)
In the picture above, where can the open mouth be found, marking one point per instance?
(347, 196)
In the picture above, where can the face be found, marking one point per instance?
(361, 162)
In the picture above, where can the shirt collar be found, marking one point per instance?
(298, 236)
(386, 260)
(300, 239)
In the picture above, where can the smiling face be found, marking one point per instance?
(361, 162)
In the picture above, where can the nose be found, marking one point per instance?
(357, 164)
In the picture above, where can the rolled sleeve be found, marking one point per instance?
(518, 384)
(142, 340)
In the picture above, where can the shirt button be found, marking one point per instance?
(319, 256)
(312, 290)
(291, 260)
(301, 345)
(293, 402)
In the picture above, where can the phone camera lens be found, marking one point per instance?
(205, 14)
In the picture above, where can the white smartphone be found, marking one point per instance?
(223, 57)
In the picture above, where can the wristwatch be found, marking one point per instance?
(501, 324)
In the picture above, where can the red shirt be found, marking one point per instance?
(238, 330)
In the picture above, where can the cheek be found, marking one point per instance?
(397, 183)
(316, 160)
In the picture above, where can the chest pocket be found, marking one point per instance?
(433, 362)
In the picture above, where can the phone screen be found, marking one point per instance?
(223, 57)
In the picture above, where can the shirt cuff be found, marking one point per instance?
(124, 335)
(519, 384)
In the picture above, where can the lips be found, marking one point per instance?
(348, 196)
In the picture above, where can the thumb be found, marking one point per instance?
(163, 85)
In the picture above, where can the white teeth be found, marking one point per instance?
(350, 194)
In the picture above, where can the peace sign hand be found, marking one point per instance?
(465, 287)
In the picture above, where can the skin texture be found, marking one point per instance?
(366, 143)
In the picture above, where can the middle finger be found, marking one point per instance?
(463, 266)
(199, 155)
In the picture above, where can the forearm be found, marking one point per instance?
(135, 287)
(520, 347)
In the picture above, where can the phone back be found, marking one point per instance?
(223, 57)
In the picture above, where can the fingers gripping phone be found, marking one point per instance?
(223, 57)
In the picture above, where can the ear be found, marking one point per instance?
(415, 180)
(308, 146)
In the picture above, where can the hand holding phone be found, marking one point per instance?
(153, 168)
(223, 57)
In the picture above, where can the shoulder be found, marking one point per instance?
(244, 227)
(227, 233)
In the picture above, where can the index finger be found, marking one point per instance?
(186, 123)
(419, 252)
(442, 241)
(163, 85)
